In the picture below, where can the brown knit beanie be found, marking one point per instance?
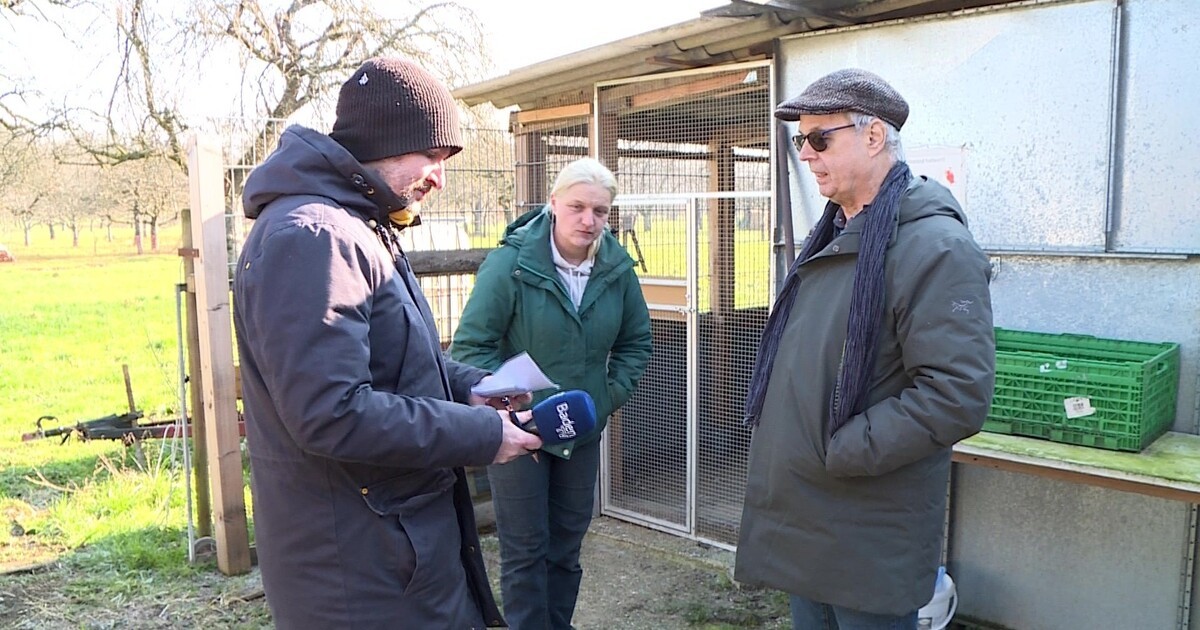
(391, 107)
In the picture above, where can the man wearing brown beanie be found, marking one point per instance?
(358, 427)
(878, 356)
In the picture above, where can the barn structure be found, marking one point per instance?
(1064, 128)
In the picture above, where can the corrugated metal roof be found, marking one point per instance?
(739, 31)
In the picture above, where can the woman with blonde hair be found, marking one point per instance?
(561, 288)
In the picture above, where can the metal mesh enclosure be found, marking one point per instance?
(692, 155)
(479, 189)
(542, 148)
(246, 142)
(691, 151)
(470, 212)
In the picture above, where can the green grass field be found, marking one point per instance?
(70, 318)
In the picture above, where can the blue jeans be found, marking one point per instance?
(543, 510)
(810, 615)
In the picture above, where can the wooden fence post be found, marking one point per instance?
(215, 328)
(203, 515)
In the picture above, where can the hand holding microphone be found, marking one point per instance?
(514, 442)
(562, 417)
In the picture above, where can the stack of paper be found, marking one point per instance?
(518, 375)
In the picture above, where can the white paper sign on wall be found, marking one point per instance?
(944, 165)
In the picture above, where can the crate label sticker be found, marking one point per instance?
(1078, 407)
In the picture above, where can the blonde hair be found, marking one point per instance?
(585, 171)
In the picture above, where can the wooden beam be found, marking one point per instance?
(721, 259)
(445, 263)
(684, 91)
(215, 328)
(1168, 468)
(1081, 476)
(603, 138)
(666, 298)
(195, 392)
(530, 153)
(554, 113)
(664, 293)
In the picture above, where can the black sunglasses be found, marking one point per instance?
(816, 138)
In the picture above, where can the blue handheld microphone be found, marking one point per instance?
(563, 417)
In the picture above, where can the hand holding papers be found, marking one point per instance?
(518, 375)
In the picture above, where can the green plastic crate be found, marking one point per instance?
(1130, 387)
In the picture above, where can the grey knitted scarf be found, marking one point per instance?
(866, 305)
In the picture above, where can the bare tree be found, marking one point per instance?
(161, 192)
(32, 7)
(142, 194)
(140, 119)
(292, 55)
(22, 191)
(73, 196)
(12, 98)
(298, 55)
(11, 118)
(289, 57)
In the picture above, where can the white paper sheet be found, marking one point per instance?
(518, 375)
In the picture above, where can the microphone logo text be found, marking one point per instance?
(566, 427)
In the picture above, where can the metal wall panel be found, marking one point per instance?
(1035, 554)
(1160, 180)
(1118, 298)
(1025, 91)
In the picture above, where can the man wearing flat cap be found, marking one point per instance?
(358, 428)
(877, 357)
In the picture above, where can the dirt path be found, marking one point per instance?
(634, 579)
(638, 578)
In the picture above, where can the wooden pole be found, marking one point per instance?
(215, 327)
(195, 393)
(138, 454)
(530, 152)
(128, 387)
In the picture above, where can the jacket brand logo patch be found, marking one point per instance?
(961, 306)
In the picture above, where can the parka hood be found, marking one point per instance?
(514, 235)
(922, 199)
(536, 224)
(308, 162)
(928, 199)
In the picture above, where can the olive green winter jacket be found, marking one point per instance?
(519, 304)
(856, 520)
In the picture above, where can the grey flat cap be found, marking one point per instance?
(848, 90)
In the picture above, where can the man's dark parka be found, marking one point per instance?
(857, 521)
(361, 510)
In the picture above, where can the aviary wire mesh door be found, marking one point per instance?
(692, 155)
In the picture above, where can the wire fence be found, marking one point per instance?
(470, 212)
(691, 154)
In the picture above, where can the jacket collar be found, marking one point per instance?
(530, 234)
